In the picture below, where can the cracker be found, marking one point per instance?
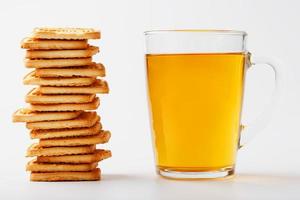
(60, 62)
(60, 133)
(100, 138)
(85, 119)
(34, 166)
(32, 79)
(99, 86)
(38, 44)
(66, 106)
(38, 150)
(97, 156)
(28, 115)
(35, 97)
(66, 33)
(77, 53)
(92, 70)
(93, 175)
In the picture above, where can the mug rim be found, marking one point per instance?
(210, 31)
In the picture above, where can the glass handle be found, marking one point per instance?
(250, 130)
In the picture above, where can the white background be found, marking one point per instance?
(267, 168)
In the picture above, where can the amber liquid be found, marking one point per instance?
(195, 104)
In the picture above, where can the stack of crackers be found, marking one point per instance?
(60, 112)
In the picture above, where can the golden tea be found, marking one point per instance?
(195, 103)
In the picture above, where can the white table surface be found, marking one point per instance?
(146, 185)
(138, 181)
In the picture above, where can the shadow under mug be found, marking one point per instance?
(195, 82)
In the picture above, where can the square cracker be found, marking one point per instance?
(37, 150)
(35, 97)
(29, 115)
(93, 175)
(97, 156)
(67, 106)
(66, 33)
(56, 63)
(32, 79)
(68, 132)
(72, 53)
(100, 138)
(91, 70)
(40, 44)
(34, 166)
(99, 86)
(85, 119)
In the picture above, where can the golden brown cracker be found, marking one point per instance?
(32, 79)
(85, 119)
(100, 138)
(91, 70)
(34, 166)
(99, 86)
(66, 33)
(97, 156)
(93, 175)
(72, 53)
(69, 132)
(38, 150)
(35, 97)
(56, 63)
(40, 44)
(66, 106)
(29, 115)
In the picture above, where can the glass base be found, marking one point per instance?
(222, 173)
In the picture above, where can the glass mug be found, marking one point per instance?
(195, 82)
